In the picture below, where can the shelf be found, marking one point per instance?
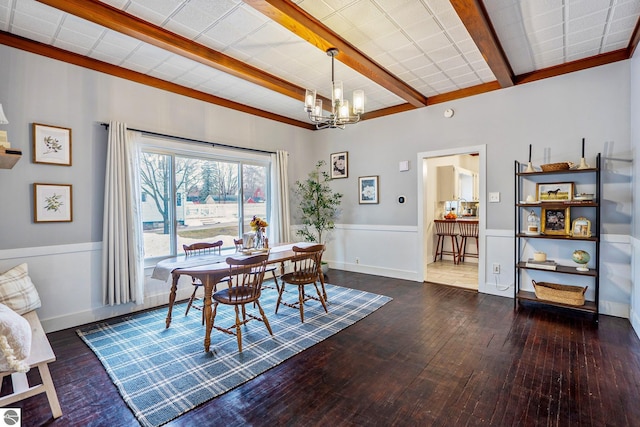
(524, 180)
(567, 204)
(588, 307)
(556, 237)
(565, 269)
(7, 161)
(558, 172)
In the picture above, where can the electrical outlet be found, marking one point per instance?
(357, 260)
(496, 268)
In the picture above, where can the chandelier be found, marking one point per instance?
(340, 115)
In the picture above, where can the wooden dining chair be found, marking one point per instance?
(270, 268)
(245, 286)
(306, 271)
(201, 248)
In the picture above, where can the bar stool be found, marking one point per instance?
(468, 229)
(446, 228)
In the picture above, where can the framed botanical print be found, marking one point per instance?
(339, 165)
(555, 221)
(52, 203)
(51, 145)
(368, 189)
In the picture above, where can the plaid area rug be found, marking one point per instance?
(163, 373)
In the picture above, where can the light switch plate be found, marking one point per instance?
(494, 197)
(403, 166)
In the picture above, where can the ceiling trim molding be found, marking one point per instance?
(464, 93)
(122, 22)
(577, 65)
(476, 20)
(635, 38)
(401, 108)
(298, 21)
(114, 70)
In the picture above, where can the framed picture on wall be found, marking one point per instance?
(52, 203)
(339, 165)
(51, 145)
(368, 189)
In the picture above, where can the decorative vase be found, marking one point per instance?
(581, 257)
(259, 238)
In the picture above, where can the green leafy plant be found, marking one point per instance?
(318, 204)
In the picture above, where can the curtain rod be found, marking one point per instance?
(197, 141)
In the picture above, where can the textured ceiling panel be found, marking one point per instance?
(419, 48)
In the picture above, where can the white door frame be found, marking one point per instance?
(423, 175)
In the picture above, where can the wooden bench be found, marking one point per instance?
(41, 355)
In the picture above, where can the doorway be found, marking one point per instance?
(430, 207)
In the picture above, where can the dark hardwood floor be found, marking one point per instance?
(435, 355)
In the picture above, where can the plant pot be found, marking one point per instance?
(325, 268)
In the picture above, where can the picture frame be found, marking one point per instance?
(339, 165)
(52, 202)
(51, 145)
(368, 189)
(581, 227)
(554, 191)
(555, 221)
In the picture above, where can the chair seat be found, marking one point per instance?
(300, 277)
(236, 295)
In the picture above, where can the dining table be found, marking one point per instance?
(211, 270)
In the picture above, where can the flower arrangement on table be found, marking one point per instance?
(259, 225)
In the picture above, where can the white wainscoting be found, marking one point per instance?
(383, 250)
(634, 311)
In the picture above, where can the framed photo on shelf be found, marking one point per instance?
(555, 191)
(555, 221)
(581, 227)
(339, 165)
(51, 145)
(368, 189)
(52, 203)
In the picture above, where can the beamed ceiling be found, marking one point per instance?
(258, 56)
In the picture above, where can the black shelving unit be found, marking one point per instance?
(593, 177)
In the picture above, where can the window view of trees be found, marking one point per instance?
(201, 197)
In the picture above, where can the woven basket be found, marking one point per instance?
(550, 167)
(564, 294)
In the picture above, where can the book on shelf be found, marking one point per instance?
(545, 265)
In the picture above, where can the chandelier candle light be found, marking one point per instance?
(340, 115)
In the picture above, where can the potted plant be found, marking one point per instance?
(318, 205)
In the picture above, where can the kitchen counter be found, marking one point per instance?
(464, 218)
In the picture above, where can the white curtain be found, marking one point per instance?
(122, 247)
(280, 221)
